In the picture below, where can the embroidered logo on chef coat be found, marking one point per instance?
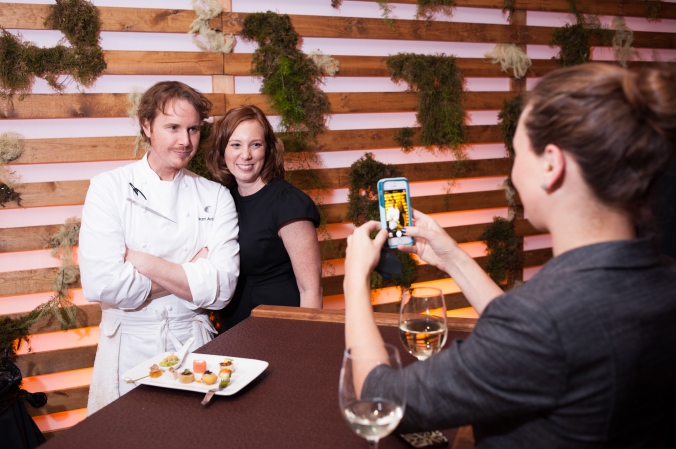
(206, 209)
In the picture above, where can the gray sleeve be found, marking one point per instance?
(511, 364)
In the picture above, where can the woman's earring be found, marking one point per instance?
(544, 186)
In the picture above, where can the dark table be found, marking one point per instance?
(294, 403)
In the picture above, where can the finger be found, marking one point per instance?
(413, 249)
(380, 237)
(370, 226)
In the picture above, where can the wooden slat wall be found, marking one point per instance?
(223, 69)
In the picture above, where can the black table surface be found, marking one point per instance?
(294, 403)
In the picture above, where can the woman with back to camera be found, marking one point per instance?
(583, 355)
(279, 250)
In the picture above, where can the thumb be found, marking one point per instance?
(380, 238)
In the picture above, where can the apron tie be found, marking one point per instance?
(165, 332)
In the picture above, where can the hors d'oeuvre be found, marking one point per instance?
(224, 377)
(155, 371)
(186, 377)
(199, 366)
(169, 360)
(209, 378)
(172, 373)
(229, 364)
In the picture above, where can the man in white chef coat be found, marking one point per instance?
(158, 244)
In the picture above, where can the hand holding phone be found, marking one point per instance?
(395, 210)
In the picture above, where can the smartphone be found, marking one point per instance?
(395, 210)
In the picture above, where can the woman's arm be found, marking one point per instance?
(436, 247)
(300, 241)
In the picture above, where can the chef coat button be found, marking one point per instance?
(170, 308)
(143, 245)
(185, 248)
(144, 309)
(187, 214)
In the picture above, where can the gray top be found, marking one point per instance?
(583, 355)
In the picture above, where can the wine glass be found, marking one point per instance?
(422, 321)
(369, 415)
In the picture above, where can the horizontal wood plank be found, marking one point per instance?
(80, 105)
(366, 102)
(335, 249)
(363, 28)
(87, 316)
(28, 281)
(338, 316)
(606, 7)
(61, 401)
(333, 285)
(453, 301)
(163, 63)
(56, 193)
(47, 362)
(93, 149)
(27, 238)
(40, 194)
(335, 213)
(32, 17)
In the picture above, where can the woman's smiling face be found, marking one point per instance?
(245, 156)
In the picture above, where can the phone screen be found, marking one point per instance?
(396, 217)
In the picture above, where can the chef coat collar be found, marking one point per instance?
(150, 174)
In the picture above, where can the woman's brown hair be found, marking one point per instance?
(273, 167)
(155, 100)
(619, 125)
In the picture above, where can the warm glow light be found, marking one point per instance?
(60, 420)
(529, 272)
(72, 338)
(26, 303)
(58, 381)
(465, 312)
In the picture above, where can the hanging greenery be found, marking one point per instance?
(198, 164)
(290, 79)
(362, 206)
(509, 9)
(203, 35)
(622, 40)
(404, 138)
(573, 39)
(15, 330)
(8, 194)
(509, 56)
(502, 248)
(21, 62)
(362, 197)
(653, 10)
(509, 118)
(11, 148)
(439, 85)
(428, 8)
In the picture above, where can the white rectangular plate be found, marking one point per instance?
(246, 370)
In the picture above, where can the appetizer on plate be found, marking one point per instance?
(209, 378)
(155, 371)
(169, 361)
(186, 377)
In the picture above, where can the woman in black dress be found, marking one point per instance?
(280, 262)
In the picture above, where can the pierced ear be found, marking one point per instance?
(554, 167)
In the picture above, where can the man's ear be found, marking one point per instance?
(146, 128)
(554, 167)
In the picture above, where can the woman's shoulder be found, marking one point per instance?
(291, 203)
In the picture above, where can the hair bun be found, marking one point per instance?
(657, 94)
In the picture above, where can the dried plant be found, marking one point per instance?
(509, 56)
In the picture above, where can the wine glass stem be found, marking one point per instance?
(373, 444)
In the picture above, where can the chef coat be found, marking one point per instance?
(172, 220)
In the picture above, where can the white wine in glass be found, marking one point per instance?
(422, 321)
(370, 417)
